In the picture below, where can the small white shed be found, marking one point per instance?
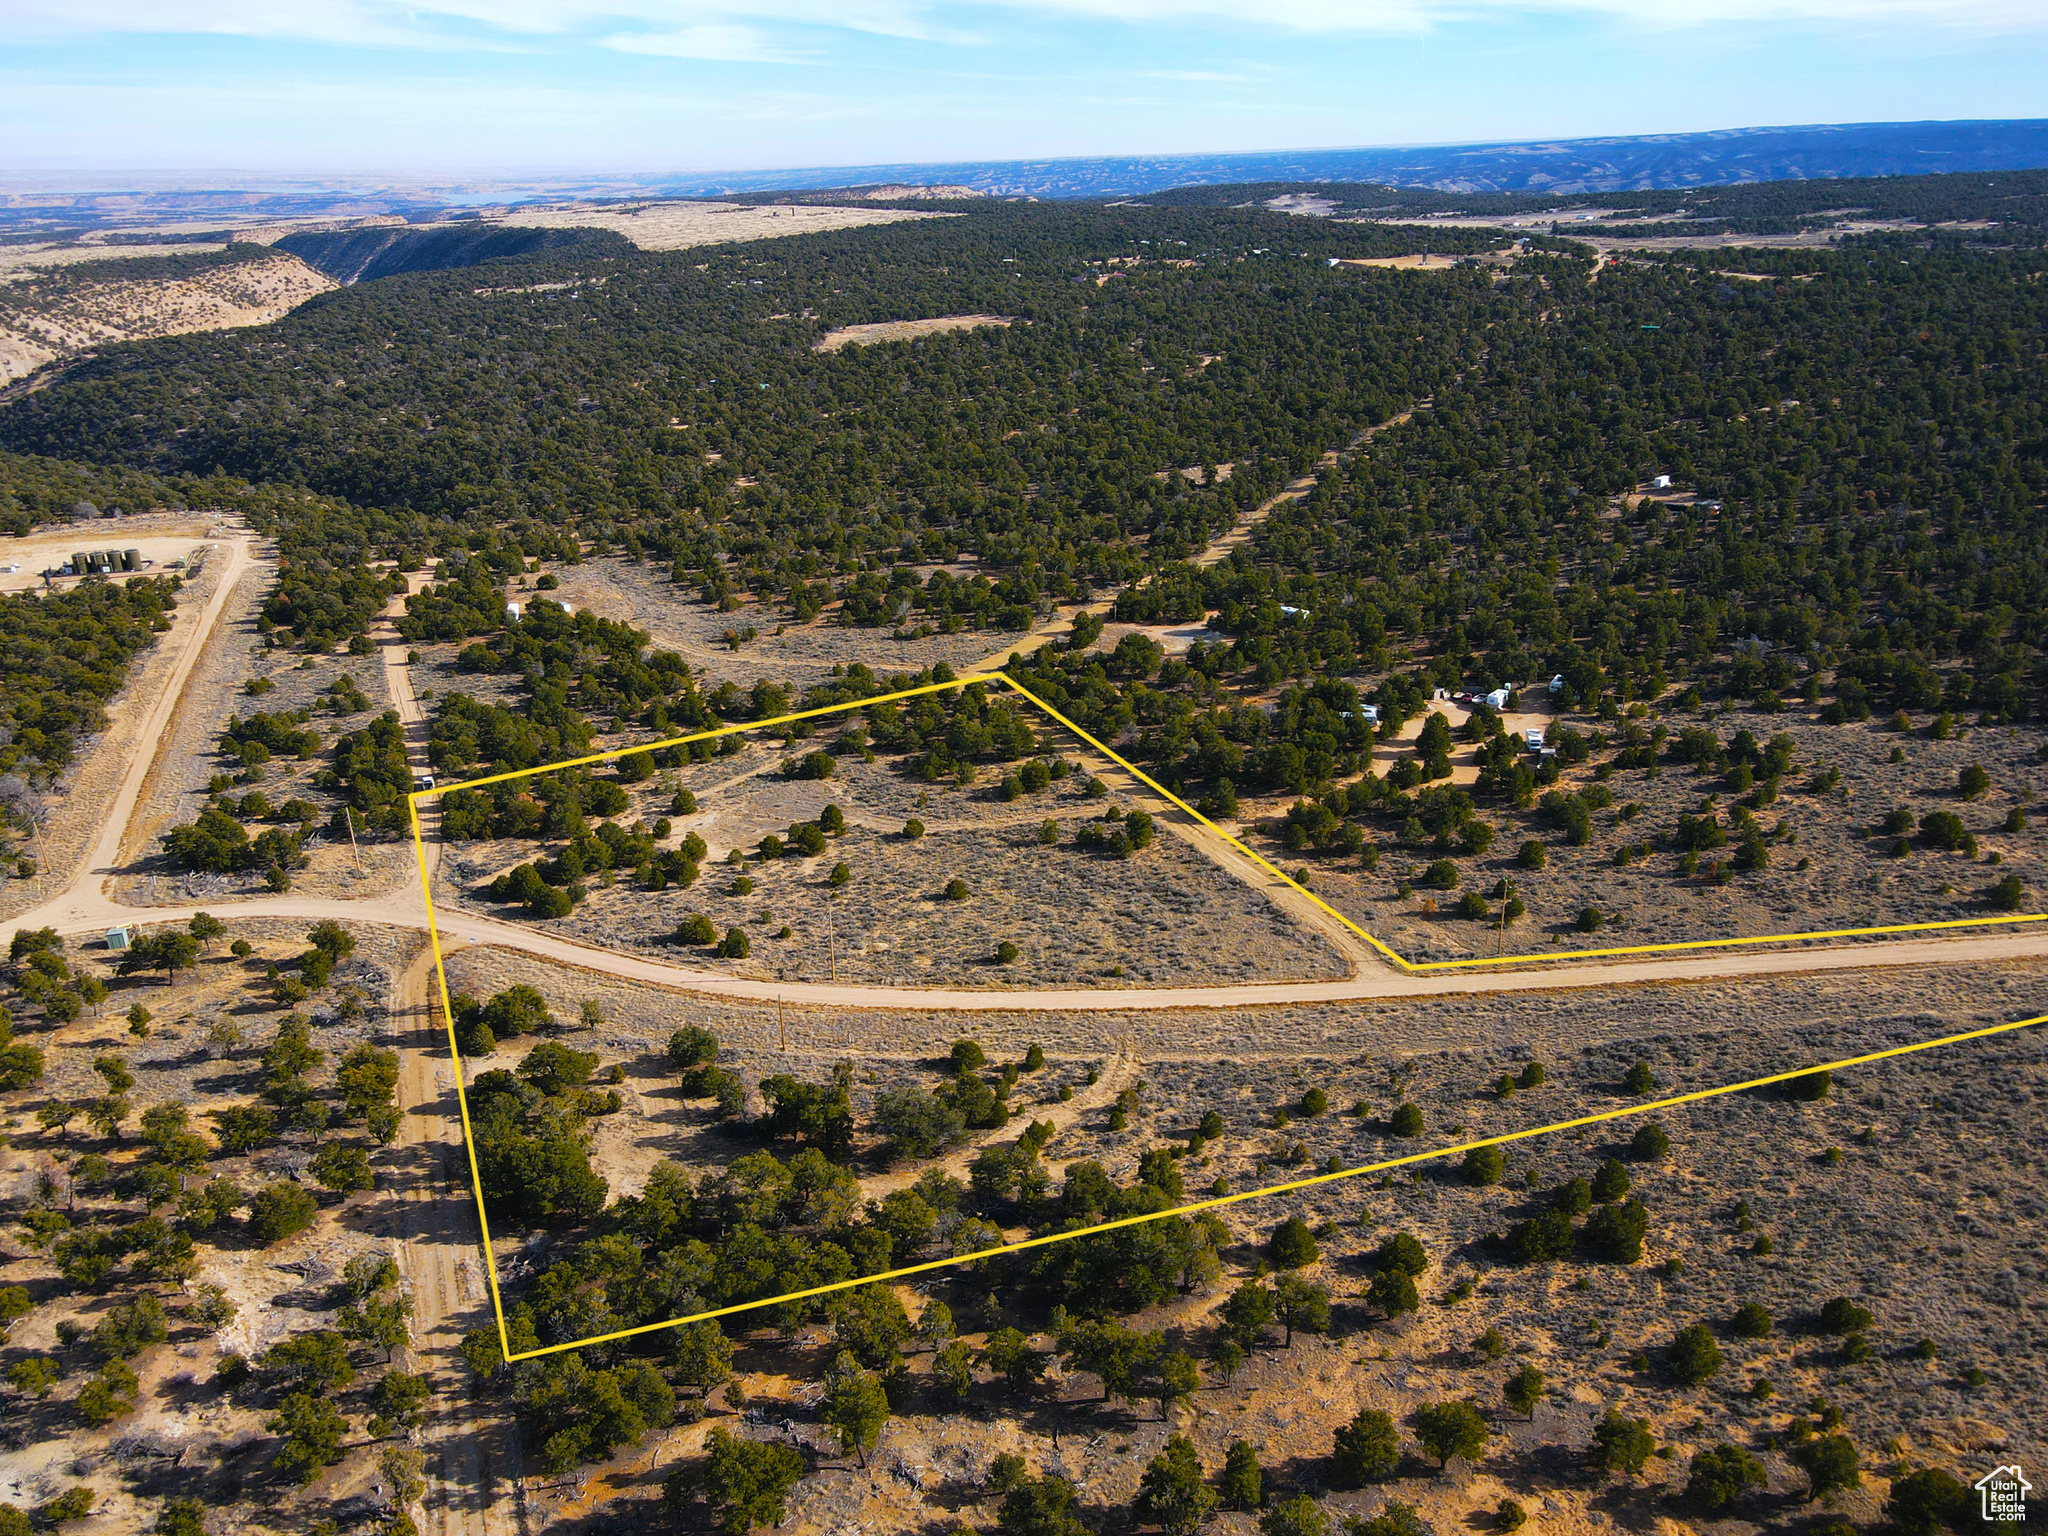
(117, 940)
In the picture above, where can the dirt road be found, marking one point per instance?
(475, 1460)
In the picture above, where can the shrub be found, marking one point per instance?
(1719, 1477)
(1292, 1245)
(2007, 895)
(279, 1211)
(1808, 1087)
(1005, 952)
(956, 889)
(1650, 1144)
(1972, 782)
(1615, 1232)
(1366, 1451)
(735, 945)
(1639, 1080)
(1442, 875)
(1694, 1356)
(1842, 1316)
(1532, 1076)
(1485, 1165)
(1298, 1516)
(1392, 1291)
(1532, 855)
(1406, 1121)
(1750, 1321)
(1944, 829)
(1610, 1182)
(1402, 1252)
(913, 829)
(1540, 1240)
(1622, 1444)
(1473, 905)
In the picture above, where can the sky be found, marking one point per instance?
(449, 88)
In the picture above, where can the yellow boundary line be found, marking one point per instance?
(469, 1140)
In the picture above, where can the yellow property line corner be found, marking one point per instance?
(414, 798)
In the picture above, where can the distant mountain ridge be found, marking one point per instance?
(1638, 163)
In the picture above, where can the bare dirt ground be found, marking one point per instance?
(36, 328)
(159, 537)
(1924, 1211)
(903, 330)
(661, 226)
(800, 654)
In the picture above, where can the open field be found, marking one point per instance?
(46, 315)
(902, 330)
(680, 226)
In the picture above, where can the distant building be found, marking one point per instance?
(1661, 483)
(1498, 699)
(1557, 684)
(117, 939)
(1533, 739)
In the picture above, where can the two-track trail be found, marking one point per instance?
(473, 1462)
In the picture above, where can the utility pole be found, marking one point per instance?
(1507, 895)
(355, 854)
(831, 944)
(781, 1023)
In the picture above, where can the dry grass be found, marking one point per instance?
(680, 226)
(903, 330)
(254, 292)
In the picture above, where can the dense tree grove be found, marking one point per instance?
(63, 656)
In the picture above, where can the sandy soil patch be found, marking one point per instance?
(679, 226)
(36, 329)
(902, 330)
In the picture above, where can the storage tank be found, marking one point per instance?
(131, 559)
(81, 562)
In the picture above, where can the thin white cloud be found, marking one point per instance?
(718, 28)
(723, 42)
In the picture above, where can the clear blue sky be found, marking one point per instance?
(453, 87)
